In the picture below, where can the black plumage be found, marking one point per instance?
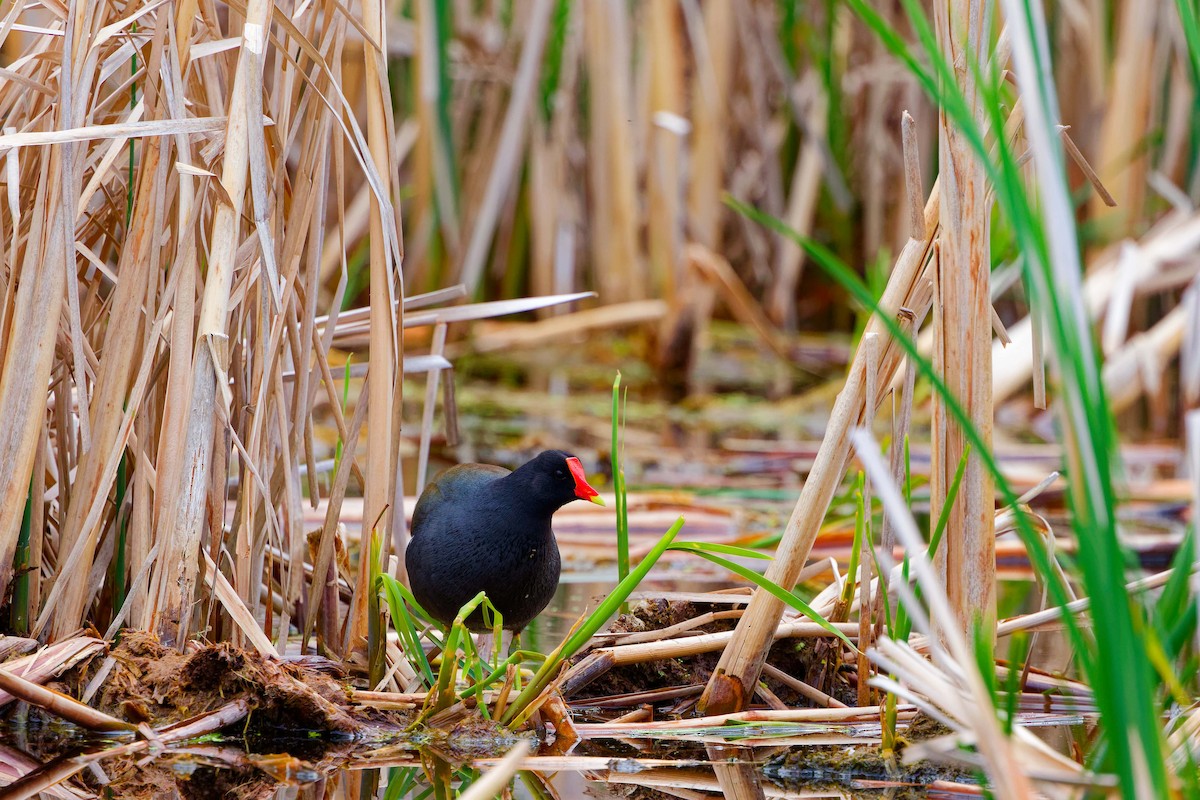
(481, 527)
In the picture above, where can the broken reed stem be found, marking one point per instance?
(731, 685)
(963, 337)
(914, 189)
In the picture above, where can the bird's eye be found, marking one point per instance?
(560, 473)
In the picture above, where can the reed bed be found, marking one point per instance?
(229, 228)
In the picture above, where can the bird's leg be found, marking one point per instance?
(508, 641)
(485, 644)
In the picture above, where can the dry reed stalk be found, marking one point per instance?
(710, 642)
(615, 253)
(123, 348)
(712, 38)
(177, 572)
(671, 630)
(913, 185)
(432, 379)
(140, 384)
(35, 308)
(718, 272)
(963, 335)
(816, 716)
(902, 409)
(387, 312)
(238, 610)
(867, 592)
(501, 336)
(963, 693)
(668, 127)
(1122, 159)
(492, 782)
(1138, 367)
(50, 661)
(1190, 349)
(554, 210)
(730, 687)
(434, 183)
(737, 776)
(323, 564)
(810, 692)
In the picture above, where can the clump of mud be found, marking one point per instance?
(156, 684)
(813, 661)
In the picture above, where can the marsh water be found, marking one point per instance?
(732, 467)
(294, 769)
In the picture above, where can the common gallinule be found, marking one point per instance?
(481, 527)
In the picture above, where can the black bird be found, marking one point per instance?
(481, 527)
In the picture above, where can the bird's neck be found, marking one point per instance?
(517, 497)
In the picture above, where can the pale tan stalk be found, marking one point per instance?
(963, 336)
(713, 39)
(23, 380)
(210, 360)
(866, 627)
(381, 466)
(737, 774)
(913, 185)
(493, 782)
(1122, 159)
(801, 209)
(325, 549)
(432, 380)
(61, 705)
(1172, 238)
(121, 346)
(664, 223)
(731, 685)
(173, 424)
(710, 642)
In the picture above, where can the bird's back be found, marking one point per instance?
(458, 487)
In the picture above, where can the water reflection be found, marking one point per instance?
(45, 758)
(339, 772)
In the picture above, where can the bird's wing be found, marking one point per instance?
(455, 485)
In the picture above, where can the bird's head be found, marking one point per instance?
(556, 478)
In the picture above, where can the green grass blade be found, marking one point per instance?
(856, 545)
(402, 621)
(19, 608)
(1044, 230)
(619, 485)
(725, 549)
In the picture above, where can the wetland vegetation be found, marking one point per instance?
(875, 324)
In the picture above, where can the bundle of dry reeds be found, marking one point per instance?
(173, 173)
